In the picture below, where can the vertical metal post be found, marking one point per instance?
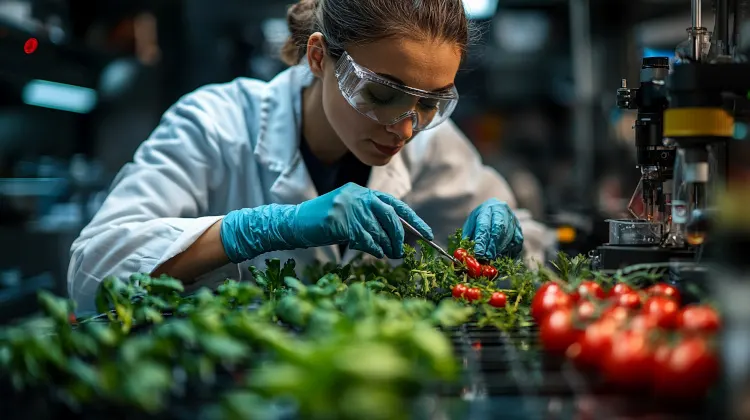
(583, 109)
(695, 6)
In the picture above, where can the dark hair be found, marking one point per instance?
(347, 22)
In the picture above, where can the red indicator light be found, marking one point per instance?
(30, 45)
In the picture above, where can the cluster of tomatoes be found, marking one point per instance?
(476, 270)
(660, 346)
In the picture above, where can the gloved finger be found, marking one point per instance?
(497, 231)
(364, 242)
(369, 223)
(483, 234)
(503, 217)
(470, 225)
(406, 213)
(389, 223)
(516, 245)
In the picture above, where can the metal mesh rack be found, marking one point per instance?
(520, 381)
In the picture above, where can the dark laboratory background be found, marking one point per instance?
(538, 99)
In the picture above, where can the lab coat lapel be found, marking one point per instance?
(277, 148)
(283, 171)
(393, 178)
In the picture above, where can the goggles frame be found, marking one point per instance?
(350, 75)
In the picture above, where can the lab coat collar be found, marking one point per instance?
(277, 146)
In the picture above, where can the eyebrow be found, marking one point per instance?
(401, 82)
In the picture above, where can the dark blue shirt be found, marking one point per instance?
(328, 177)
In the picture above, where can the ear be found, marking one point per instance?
(316, 54)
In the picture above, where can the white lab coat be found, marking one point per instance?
(235, 145)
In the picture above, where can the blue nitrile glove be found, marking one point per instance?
(494, 229)
(365, 219)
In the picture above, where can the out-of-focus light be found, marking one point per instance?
(652, 52)
(30, 45)
(480, 9)
(522, 31)
(740, 131)
(59, 96)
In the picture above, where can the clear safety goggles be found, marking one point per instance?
(387, 102)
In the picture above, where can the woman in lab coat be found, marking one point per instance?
(317, 164)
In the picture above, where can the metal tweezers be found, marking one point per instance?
(435, 246)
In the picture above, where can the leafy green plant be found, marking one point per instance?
(355, 341)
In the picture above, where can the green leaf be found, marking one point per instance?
(259, 276)
(295, 285)
(278, 379)
(372, 362)
(146, 383)
(246, 405)
(224, 348)
(54, 307)
(165, 285)
(289, 269)
(273, 272)
(83, 372)
(450, 313)
(144, 314)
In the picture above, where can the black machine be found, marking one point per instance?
(683, 131)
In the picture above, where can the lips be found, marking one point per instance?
(387, 150)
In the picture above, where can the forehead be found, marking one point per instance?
(426, 65)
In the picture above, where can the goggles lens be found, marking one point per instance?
(388, 102)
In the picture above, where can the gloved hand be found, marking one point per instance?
(365, 219)
(495, 230)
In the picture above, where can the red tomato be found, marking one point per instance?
(588, 290)
(557, 331)
(498, 299)
(489, 271)
(618, 314)
(663, 309)
(473, 267)
(549, 286)
(631, 300)
(592, 343)
(665, 290)
(459, 290)
(698, 318)
(686, 371)
(641, 322)
(72, 319)
(619, 289)
(586, 311)
(473, 294)
(544, 303)
(460, 254)
(630, 360)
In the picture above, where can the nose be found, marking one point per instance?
(403, 129)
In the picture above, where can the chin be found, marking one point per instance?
(370, 160)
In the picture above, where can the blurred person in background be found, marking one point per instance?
(322, 158)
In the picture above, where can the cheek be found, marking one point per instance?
(349, 124)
